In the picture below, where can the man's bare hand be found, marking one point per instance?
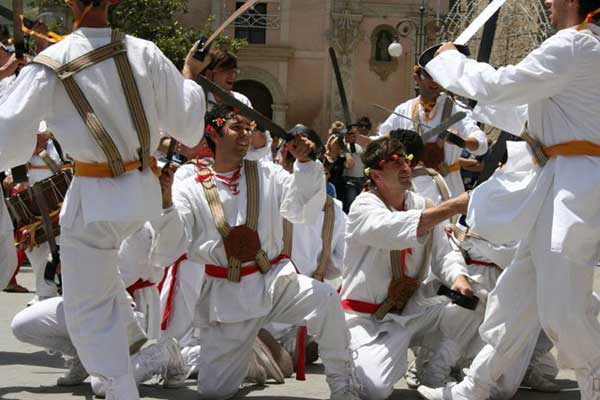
(166, 184)
(301, 147)
(462, 285)
(193, 67)
(445, 47)
(10, 67)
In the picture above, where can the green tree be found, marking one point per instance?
(153, 20)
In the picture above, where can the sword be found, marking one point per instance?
(441, 130)
(18, 32)
(227, 22)
(243, 109)
(479, 22)
(343, 100)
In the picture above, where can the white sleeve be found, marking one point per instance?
(510, 119)
(25, 104)
(338, 244)
(302, 193)
(543, 73)
(173, 230)
(446, 263)
(469, 129)
(181, 102)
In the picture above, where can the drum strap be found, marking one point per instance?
(252, 207)
(398, 266)
(437, 178)
(66, 73)
(50, 163)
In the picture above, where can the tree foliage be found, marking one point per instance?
(154, 20)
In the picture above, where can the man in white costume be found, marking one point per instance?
(38, 170)
(106, 201)
(430, 108)
(546, 205)
(8, 256)
(229, 218)
(392, 237)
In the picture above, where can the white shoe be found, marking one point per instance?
(431, 393)
(136, 337)
(33, 301)
(75, 375)
(267, 362)
(538, 382)
(346, 386)
(177, 370)
(256, 372)
(412, 377)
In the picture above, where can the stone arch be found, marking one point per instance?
(280, 105)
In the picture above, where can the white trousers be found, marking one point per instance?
(38, 257)
(225, 348)
(147, 302)
(186, 291)
(8, 257)
(95, 301)
(43, 324)
(381, 363)
(539, 286)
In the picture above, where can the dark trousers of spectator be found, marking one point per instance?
(352, 188)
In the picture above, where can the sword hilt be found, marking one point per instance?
(203, 48)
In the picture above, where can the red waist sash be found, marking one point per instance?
(218, 271)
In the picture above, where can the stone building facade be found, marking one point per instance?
(286, 70)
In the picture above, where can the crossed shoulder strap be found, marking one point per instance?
(227, 232)
(66, 73)
(402, 287)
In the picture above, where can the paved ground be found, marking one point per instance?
(29, 373)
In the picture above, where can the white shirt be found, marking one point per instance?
(189, 226)
(307, 244)
(171, 103)
(358, 170)
(556, 89)
(466, 128)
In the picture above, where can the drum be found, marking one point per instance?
(25, 212)
(433, 156)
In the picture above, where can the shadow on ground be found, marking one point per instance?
(39, 358)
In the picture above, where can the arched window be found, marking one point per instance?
(381, 62)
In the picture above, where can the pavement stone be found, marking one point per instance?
(29, 373)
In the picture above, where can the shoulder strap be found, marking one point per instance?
(398, 265)
(437, 178)
(214, 202)
(288, 235)
(414, 114)
(590, 32)
(448, 107)
(253, 190)
(327, 237)
(134, 100)
(66, 72)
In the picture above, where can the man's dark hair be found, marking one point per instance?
(378, 150)
(364, 122)
(223, 59)
(588, 6)
(220, 112)
(94, 3)
(412, 141)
